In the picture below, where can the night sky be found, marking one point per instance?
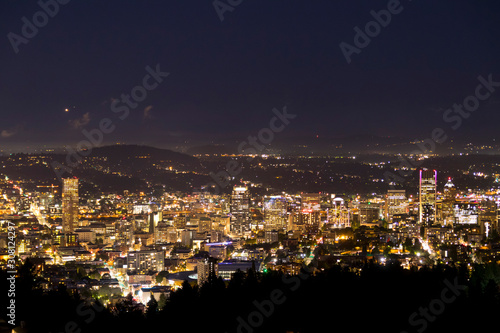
(226, 76)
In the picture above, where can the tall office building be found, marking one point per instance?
(187, 237)
(294, 203)
(369, 213)
(124, 233)
(311, 209)
(448, 203)
(487, 216)
(339, 215)
(149, 260)
(205, 268)
(205, 224)
(275, 214)
(70, 204)
(165, 233)
(396, 203)
(155, 216)
(466, 213)
(427, 196)
(240, 210)
(449, 189)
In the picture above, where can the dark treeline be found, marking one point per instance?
(379, 298)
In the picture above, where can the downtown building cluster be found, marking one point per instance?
(136, 243)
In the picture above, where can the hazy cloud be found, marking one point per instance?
(147, 113)
(77, 123)
(8, 133)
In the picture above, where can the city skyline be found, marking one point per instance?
(144, 250)
(249, 166)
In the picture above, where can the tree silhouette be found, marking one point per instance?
(247, 291)
(126, 305)
(162, 301)
(152, 306)
(161, 276)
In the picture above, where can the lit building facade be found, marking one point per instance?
(339, 215)
(311, 211)
(240, 210)
(205, 268)
(146, 261)
(70, 204)
(466, 213)
(396, 203)
(275, 214)
(427, 197)
(449, 198)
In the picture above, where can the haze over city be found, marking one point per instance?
(225, 77)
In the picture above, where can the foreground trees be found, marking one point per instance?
(380, 297)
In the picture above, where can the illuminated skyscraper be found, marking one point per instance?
(396, 203)
(206, 268)
(311, 210)
(466, 213)
(154, 217)
(339, 215)
(447, 212)
(487, 216)
(427, 196)
(240, 210)
(70, 204)
(275, 214)
(294, 204)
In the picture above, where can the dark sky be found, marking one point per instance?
(226, 77)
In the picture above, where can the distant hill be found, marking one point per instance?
(146, 154)
(213, 149)
(109, 168)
